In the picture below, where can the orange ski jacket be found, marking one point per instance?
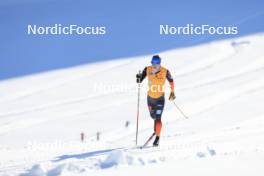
(156, 81)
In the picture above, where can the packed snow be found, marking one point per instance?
(218, 85)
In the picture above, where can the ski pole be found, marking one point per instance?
(180, 110)
(138, 109)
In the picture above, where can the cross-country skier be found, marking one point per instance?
(157, 76)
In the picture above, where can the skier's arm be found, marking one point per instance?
(142, 76)
(170, 79)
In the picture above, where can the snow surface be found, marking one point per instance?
(219, 86)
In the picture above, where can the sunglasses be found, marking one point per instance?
(155, 65)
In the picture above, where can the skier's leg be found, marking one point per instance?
(156, 107)
(158, 126)
(159, 109)
(152, 107)
(158, 123)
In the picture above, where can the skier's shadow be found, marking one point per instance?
(83, 155)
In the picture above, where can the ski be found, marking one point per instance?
(149, 139)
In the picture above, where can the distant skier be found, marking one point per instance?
(82, 136)
(98, 136)
(157, 76)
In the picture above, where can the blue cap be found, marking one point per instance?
(155, 59)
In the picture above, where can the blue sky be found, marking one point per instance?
(132, 29)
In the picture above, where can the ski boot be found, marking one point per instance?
(156, 142)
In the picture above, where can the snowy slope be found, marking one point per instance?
(219, 85)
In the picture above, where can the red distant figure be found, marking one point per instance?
(127, 124)
(98, 136)
(82, 136)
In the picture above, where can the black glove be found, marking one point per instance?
(139, 76)
(172, 96)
